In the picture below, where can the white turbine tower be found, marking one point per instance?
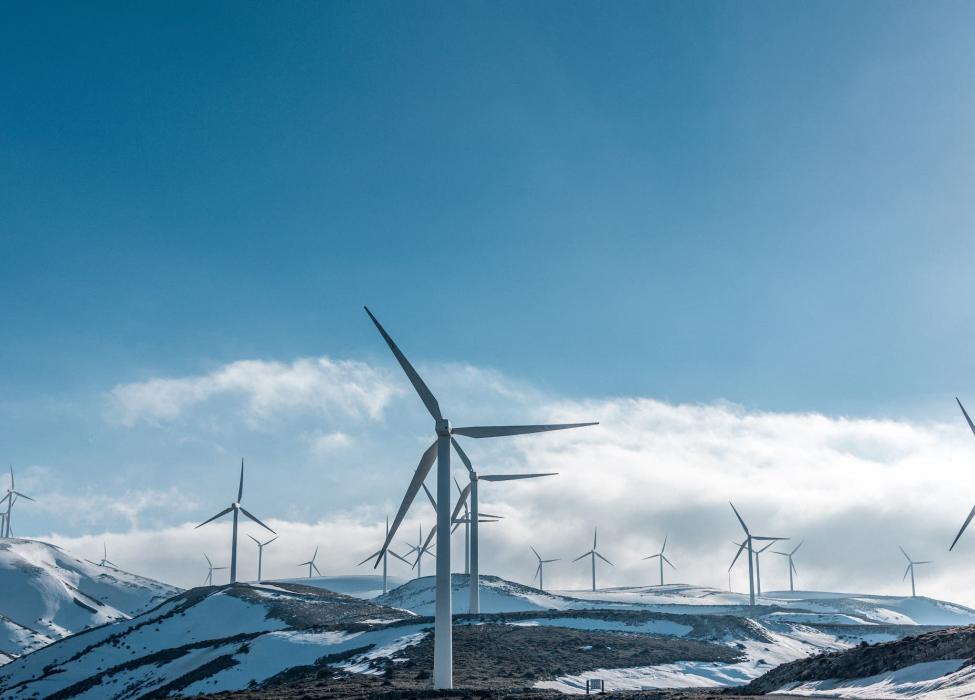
(11, 497)
(311, 563)
(236, 508)
(747, 544)
(661, 558)
(471, 488)
(971, 513)
(208, 581)
(792, 564)
(381, 554)
(592, 553)
(910, 569)
(539, 573)
(443, 674)
(260, 553)
(466, 522)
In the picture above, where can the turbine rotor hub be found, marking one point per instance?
(443, 427)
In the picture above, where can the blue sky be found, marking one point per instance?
(767, 204)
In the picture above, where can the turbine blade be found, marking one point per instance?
(797, 547)
(967, 418)
(461, 501)
(549, 561)
(425, 394)
(906, 572)
(971, 515)
(922, 562)
(315, 555)
(426, 544)
(315, 568)
(537, 570)
(422, 469)
(665, 544)
(536, 553)
(374, 554)
(208, 559)
(430, 496)
(770, 539)
(255, 540)
(669, 562)
(488, 515)
(240, 489)
(402, 559)
(581, 556)
(22, 495)
(594, 539)
(604, 558)
(906, 556)
(741, 548)
(743, 526)
(249, 515)
(511, 477)
(487, 431)
(218, 515)
(271, 540)
(463, 455)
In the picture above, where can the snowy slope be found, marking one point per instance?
(209, 639)
(496, 595)
(48, 594)
(365, 586)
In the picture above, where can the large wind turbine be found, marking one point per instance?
(971, 513)
(443, 674)
(311, 563)
(235, 507)
(539, 573)
(747, 544)
(11, 497)
(910, 569)
(260, 552)
(592, 553)
(792, 564)
(209, 579)
(471, 488)
(662, 558)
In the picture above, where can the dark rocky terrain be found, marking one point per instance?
(870, 659)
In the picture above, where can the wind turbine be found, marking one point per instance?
(662, 558)
(260, 552)
(311, 563)
(105, 559)
(758, 567)
(381, 554)
(209, 579)
(420, 549)
(971, 513)
(539, 574)
(11, 497)
(235, 507)
(443, 674)
(592, 553)
(466, 522)
(792, 564)
(749, 539)
(471, 488)
(910, 569)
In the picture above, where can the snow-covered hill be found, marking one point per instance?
(211, 639)
(46, 594)
(365, 586)
(498, 595)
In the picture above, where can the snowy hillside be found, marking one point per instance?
(365, 586)
(209, 639)
(48, 594)
(496, 595)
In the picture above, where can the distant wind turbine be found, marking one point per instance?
(422, 547)
(260, 552)
(592, 553)
(662, 558)
(539, 573)
(382, 554)
(311, 563)
(443, 674)
(971, 513)
(910, 569)
(105, 559)
(465, 520)
(747, 544)
(235, 507)
(209, 579)
(758, 567)
(11, 497)
(792, 564)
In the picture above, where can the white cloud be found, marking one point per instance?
(327, 443)
(320, 384)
